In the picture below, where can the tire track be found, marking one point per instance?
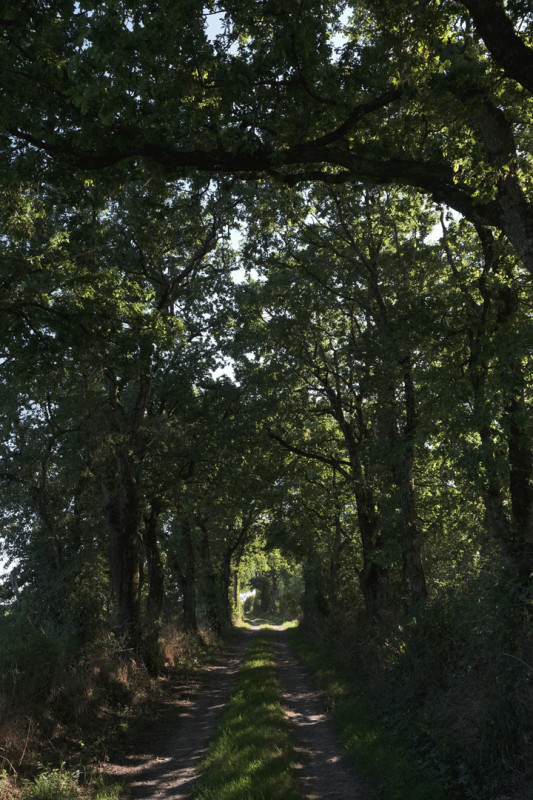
(167, 770)
(322, 769)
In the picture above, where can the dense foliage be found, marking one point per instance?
(267, 325)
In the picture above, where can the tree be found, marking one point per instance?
(411, 97)
(109, 319)
(339, 317)
(491, 297)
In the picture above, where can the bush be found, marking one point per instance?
(455, 685)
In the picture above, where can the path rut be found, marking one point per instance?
(167, 769)
(322, 769)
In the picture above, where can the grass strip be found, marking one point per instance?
(377, 752)
(250, 755)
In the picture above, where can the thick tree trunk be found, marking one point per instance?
(316, 609)
(129, 600)
(122, 511)
(411, 533)
(187, 578)
(521, 488)
(372, 573)
(213, 613)
(156, 577)
(123, 505)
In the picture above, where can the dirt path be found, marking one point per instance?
(322, 769)
(166, 770)
(164, 767)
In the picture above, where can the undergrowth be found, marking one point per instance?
(60, 713)
(438, 706)
(377, 753)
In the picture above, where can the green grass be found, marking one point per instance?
(376, 751)
(60, 784)
(54, 784)
(250, 755)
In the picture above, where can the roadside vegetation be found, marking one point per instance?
(435, 708)
(67, 720)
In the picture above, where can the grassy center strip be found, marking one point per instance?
(250, 755)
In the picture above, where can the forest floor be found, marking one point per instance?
(163, 765)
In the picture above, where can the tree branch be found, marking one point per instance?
(502, 41)
(330, 461)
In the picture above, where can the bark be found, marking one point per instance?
(187, 578)
(156, 578)
(236, 589)
(225, 584)
(521, 487)
(123, 518)
(316, 609)
(372, 573)
(334, 566)
(123, 501)
(213, 610)
(411, 532)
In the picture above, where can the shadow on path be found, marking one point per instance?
(322, 769)
(167, 770)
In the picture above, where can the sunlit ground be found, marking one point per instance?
(270, 621)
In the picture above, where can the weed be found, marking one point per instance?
(55, 784)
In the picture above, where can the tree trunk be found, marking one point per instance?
(122, 511)
(129, 600)
(316, 610)
(334, 566)
(156, 579)
(521, 486)
(210, 587)
(514, 531)
(372, 574)
(186, 578)
(123, 506)
(411, 533)
(225, 584)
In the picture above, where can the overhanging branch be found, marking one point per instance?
(336, 463)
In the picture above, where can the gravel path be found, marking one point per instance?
(322, 769)
(166, 769)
